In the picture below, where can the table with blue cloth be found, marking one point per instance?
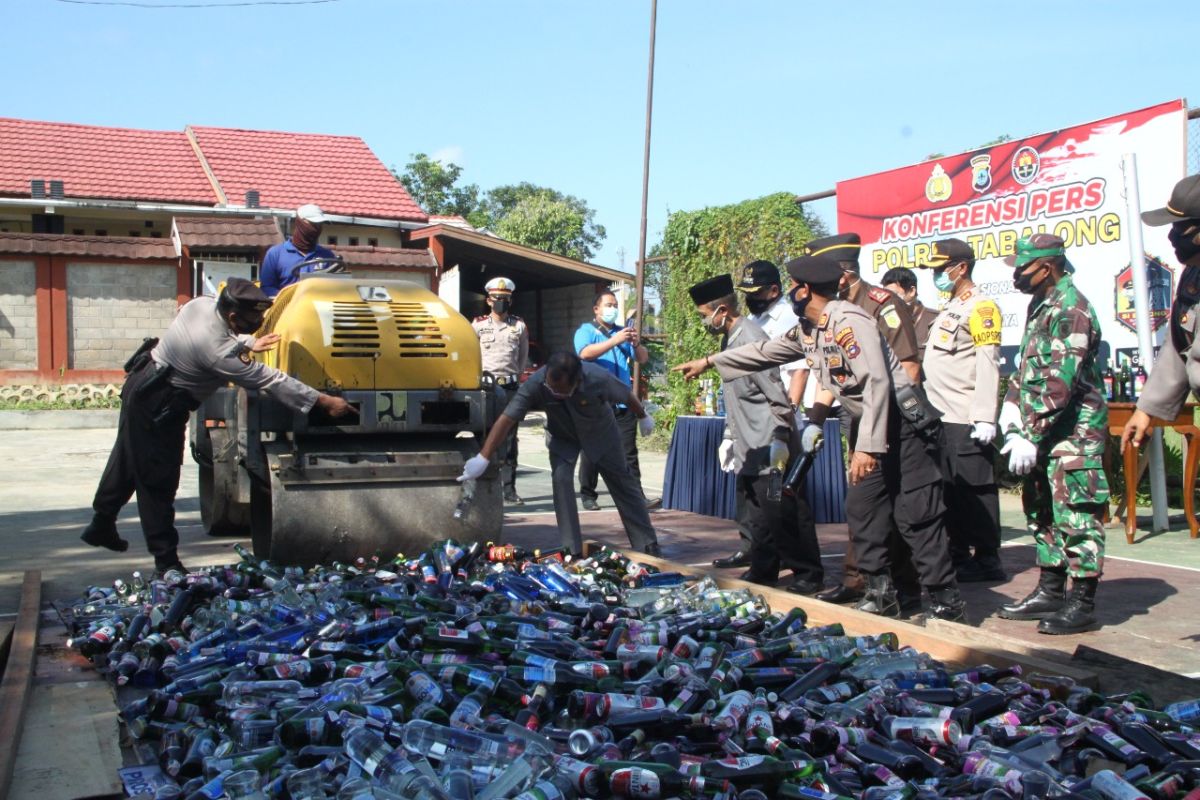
(694, 480)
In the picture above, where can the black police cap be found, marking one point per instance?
(814, 270)
(1184, 204)
(244, 295)
(758, 274)
(946, 252)
(712, 289)
(842, 247)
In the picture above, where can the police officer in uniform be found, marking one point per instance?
(578, 399)
(760, 432)
(894, 320)
(962, 378)
(1055, 423)
(1178, 366)
(903, 282)
(504, 344)
(893, 477)
(167, 379)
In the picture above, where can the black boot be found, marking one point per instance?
(102, 532)
(946, 603)
(652, 549)
(1043, 601)
(1076, 615)
(881, 597)
(981, 568)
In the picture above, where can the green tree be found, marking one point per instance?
(434, 186)
(580, 239)
(702, 244)
(545, 223)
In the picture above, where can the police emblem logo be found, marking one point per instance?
(794, 333)
(947, 324)
(1026, 164)
(748, 275)
(244, 357)
(853, 350)
(891, 318)
(834, 362)
(981, 173)
(840, 378)
(939, 187)
(989, 322)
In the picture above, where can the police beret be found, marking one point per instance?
(814, 270)
(245, 295)
(499, 286)
(711, 289)
(758, 274)
(1184, 204)
(948, 251)
(842, 247)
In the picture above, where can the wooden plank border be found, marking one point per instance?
(946, 641)
(18, 674)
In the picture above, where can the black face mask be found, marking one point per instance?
(501, 304)
(758, 305)
(1185, 245)
(798, 306)
(240, 323)
(1023, 282)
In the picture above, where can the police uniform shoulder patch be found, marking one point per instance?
(845, 339)
(985, 323)
(244, 357)
(823, 321)
(879, 295)
(967, 295)
(891, 317)
(794, 333)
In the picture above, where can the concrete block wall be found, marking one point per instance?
(112, 307)
(564, 310)
(18, 315)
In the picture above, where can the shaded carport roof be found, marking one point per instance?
(481, 257)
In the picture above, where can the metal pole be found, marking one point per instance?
(641, 262)
(1141, 305)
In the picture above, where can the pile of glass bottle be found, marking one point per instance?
(479, 673)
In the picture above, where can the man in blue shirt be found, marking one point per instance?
(606, 344)
(280, 262)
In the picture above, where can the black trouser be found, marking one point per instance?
(903, 493)
(627, 425)
(972, 499)
(624, 489)
(781, 533)
(146, 460)
(900, 556)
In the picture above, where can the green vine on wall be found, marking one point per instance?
(702, 244)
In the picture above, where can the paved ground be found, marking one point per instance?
(1147, 598)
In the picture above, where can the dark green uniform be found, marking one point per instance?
(1063, 411)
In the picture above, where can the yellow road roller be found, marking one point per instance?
(310, 489)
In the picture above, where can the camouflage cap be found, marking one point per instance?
(1040, 245)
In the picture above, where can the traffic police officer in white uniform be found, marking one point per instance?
(962, 379)
(504, 345)
(167, 379)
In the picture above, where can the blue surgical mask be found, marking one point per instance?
(608, 314)
(942, 281)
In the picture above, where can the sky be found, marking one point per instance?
(750, 97)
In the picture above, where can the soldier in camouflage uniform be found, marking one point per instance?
(1055, 419)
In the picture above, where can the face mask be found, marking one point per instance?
(608, 315)
(798, 306)
(758, 306)
(942, 281)
(500, 305)
(1185, 245)
(710, 324)
(1023, 282)
(242, 324)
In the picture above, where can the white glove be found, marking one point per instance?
(1022, 454)
(725, 455)
(1010, 417)
(646, 425)
(983, 432)
(475, 466)
(812, 438)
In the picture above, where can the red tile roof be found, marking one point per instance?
(95, 162)
(385, 257)
(127, 247)
(338, 173)
(198, 232)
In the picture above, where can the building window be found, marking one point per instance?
(353, 241)
(372, 242)
(135, 233)
(155, 234)
(331, 240)
(77, 232)
(101, 232)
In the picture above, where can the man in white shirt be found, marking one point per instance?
(767, 306)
